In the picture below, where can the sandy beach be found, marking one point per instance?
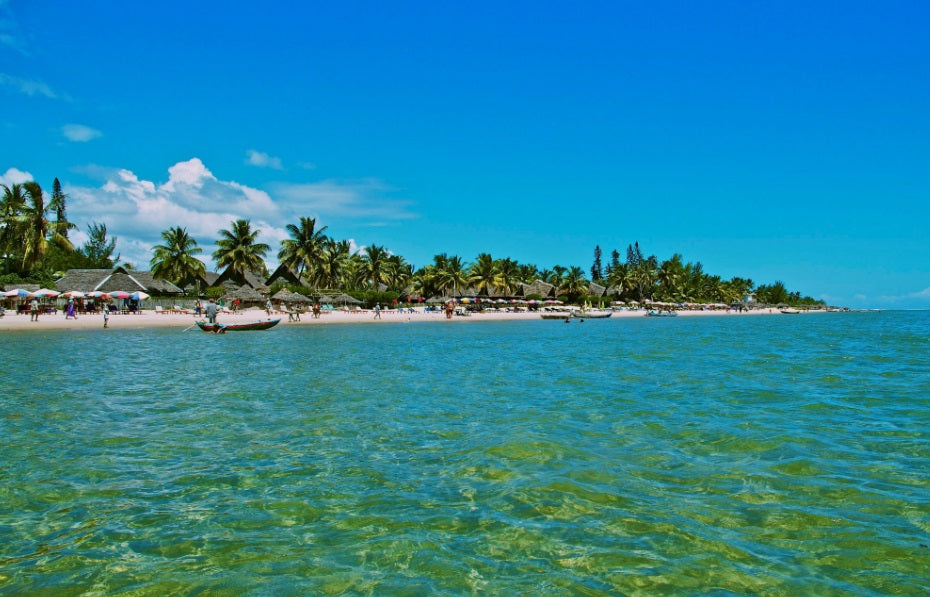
(148, 318)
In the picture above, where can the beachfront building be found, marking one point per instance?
(111, 280)
(538, 288)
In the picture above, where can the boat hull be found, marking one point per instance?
(221, 328)
(592, 314)
(556, 315)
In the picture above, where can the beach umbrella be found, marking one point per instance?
(94, 294)
(44, 292)
(73, 294)
(138, 296)
(19, 292)
(117, 294)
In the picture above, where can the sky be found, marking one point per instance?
(780, 141)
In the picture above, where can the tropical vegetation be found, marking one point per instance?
(35, 246)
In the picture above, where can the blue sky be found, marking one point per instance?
(776, 141)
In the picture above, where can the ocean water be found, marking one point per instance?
(724, 455)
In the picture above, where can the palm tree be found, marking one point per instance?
(38, 231)
(398, 272)
(174, 260)
(508, 276)
(574, 284)
(672, 278)
(237, 249)
(450, 273)
(622, 277)
(12, 204)
(305, 249)
(483, 274)
(375, 259)
(332, 268)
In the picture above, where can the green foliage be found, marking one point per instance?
(98, 250)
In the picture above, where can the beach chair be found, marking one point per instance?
(160, 310)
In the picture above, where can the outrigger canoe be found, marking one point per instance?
(222, 328)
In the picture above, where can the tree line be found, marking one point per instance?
(35, 246)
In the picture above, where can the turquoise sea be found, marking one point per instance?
(721, 455)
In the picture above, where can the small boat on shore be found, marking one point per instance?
(592, 314)
(661, 314)
(222, 328)
(790, 311)
(555, 315)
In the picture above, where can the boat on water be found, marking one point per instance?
(555, 315)
(661, 314)
(790, 311)
(222, 328)
(592, 314)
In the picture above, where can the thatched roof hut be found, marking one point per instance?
(105, 280)
(538, 287)
(596, 289)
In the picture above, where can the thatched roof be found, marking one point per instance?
(233, 279)
(290, 297)
(245, 293)
(596, 289)
(343, 298)
(284, 274)
(539, 287)
(105, 280)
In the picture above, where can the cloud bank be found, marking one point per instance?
(137, 211)
(263, 160)
(80, 133)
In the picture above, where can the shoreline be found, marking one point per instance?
(12, 322)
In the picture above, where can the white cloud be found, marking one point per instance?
(15, 176)
(137, 211)
(365, 201)
(79, 133)
(27, 86)
(263, 160)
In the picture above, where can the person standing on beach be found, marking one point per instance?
(34, 309)
(211, 311)
(69, 313)
(106, 315)
(378, 311)
(268, 307)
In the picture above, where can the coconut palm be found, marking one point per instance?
(332, 268)
(237, 249)
(375, 259)
(38, 232)
(508, 276)
(451, 273)
(483, 274)
(12, 204)
(398, 272)
(574, 284)
(304, 250)
(622, 278)
(175, 260)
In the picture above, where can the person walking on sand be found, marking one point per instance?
(69, 312)
(211, 311)
(34, 309)
(106, 315)
(377, 310)
(268, 307)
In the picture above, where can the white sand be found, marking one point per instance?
(14, 322)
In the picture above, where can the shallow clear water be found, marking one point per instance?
(727, 455)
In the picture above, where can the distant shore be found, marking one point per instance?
(13, 322)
